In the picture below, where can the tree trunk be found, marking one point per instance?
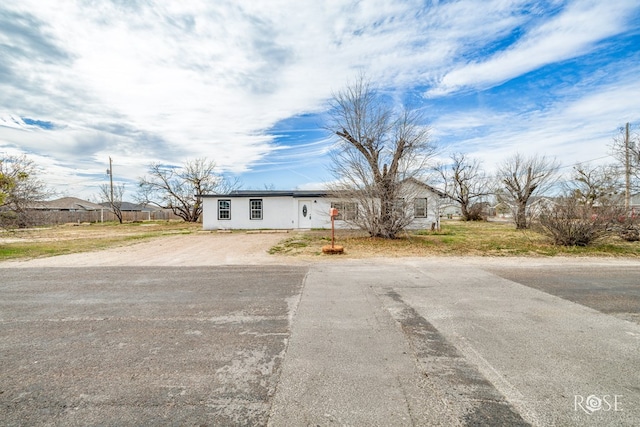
(521, 216)
(464, 210)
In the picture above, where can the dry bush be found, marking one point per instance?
(477, 212)
(628, 228)
(570, 223)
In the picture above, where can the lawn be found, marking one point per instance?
(72, 238)
(454, 238)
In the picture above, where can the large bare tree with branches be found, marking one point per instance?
(523, 177)
(179, 188)
(466, 183)
(378, 147)
(599, 185)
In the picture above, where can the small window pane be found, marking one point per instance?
(347, 211)
(255, 207)
(224, 209)
(420, 208)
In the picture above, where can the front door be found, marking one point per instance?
(304, 213)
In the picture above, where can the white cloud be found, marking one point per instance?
(575, 31)
(170, 81)
(576, 128)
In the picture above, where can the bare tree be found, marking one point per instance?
(377, 149)
(465, 183)
(523, 177)
(179, 188)
(596, 185)
(22, 188)
(115, 203)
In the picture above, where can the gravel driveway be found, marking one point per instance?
(212, 249)
(199, 249)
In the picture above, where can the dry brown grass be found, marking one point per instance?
(456, 238)
(72, 238)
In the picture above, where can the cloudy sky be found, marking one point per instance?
(246, 83)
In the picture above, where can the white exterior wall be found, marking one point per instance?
(276, 214)
(321, 218)
(283, 212)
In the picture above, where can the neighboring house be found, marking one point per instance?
(538, 204)
(301, 209)
(634, 204)
(450, 209)
(67, 204)
(500, 210)
(66, 209)
(535, 206)
(137, 212)
(73, 209)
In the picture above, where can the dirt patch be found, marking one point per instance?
(203, 248)
(183, 244)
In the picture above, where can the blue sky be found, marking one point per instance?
(246, 83)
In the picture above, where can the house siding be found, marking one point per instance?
(282, 211)
(275, 213)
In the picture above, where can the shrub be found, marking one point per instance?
(569, 223)
(476, 212)
(628, 228)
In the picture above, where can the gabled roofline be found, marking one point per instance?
(267, 193)
(303, 193)
(427, 186)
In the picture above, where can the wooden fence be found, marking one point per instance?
(63, 217)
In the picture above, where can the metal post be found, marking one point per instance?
(333, 232)
(627, 172)
(111, 180)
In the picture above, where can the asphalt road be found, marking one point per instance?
(143, 346)
(612, 290)
(380, 342)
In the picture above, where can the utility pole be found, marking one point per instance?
(627, 169)
(110, 172)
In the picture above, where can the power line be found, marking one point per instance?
(585, 161)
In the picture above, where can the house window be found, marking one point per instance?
(420, 208)
(347, 211)
(398, 208)
(255, 208)
(224, 209)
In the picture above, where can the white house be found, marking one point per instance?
(301, 209)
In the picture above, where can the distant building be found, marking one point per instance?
(75, 210)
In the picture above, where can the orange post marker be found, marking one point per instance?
(334, 213)
(333, 249)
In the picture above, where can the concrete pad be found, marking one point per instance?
(411, 342)
(347, 362)
(546, 355)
